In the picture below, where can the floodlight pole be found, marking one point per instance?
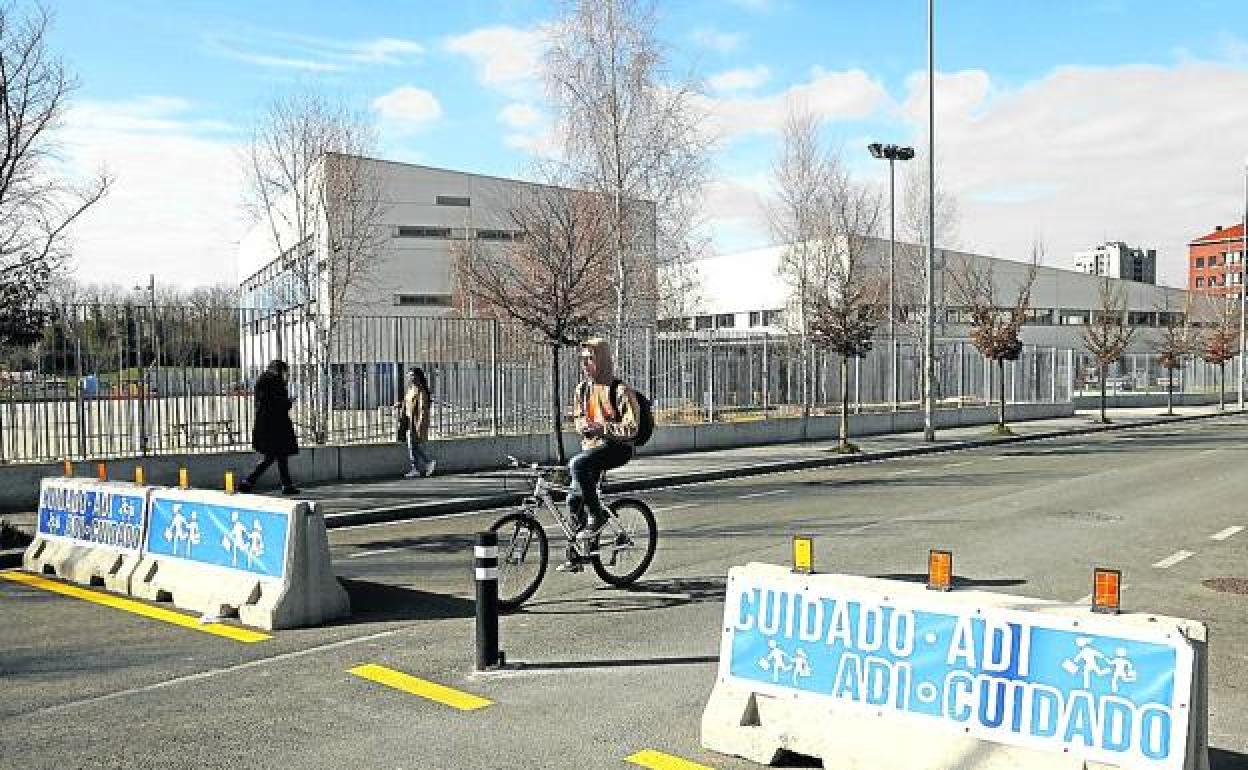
(929, 342)
(1243, 287)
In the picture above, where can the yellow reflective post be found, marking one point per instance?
(139, 477)
(229, 482)
(804, 554)
(184, 479)
(939, 570)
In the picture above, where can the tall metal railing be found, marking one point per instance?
(123, 381)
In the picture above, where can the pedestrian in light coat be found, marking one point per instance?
(415, 407)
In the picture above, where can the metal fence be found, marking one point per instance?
(124, 381)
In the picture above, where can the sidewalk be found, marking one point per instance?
(391, 500)
(379, 501)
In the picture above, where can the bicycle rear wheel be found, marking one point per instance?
(523, 553)
(625, 547)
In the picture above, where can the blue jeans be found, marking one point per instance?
(416, 452)
(586, 469)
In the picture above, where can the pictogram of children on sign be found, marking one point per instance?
(238, 541)
(778, 662)
(1089, 662)
(182, 530)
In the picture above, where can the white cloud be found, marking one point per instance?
(407, 108)
(506, 57)
(520, 115)
(745, 79)
(848, 95)
(174, 207)
(311, 54)
(716, 40)
(1149, 155)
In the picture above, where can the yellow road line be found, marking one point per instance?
(138, 608)
(435, 692)
(657, 760)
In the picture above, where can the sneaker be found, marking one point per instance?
(412, 474)
(571, 565)
(291, 490)
(429, 470)
(591, 529)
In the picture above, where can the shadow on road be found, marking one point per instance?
(1221, 759)
(958, 581)
(378, 602)
(427, 544)
(557, 665)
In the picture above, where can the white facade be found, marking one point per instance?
(1117, 260)
(745, 292)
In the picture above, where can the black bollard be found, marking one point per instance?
(485, 567)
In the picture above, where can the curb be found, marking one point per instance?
(469, 504)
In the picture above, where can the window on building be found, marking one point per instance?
(1039, 316)
(424, 232)
(756, 318)
(704, 322)
(1237, 279)
(1200, 282)
(422, 300)
(1200, 262)
(725, 321)
(499, 235)
(1213, 261)
(1075, 317)
(773, 317)
(454, 200)
(1140, 318)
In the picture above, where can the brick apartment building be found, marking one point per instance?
(1215, 262)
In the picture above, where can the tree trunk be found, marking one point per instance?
(1222, 386)
(556, 412)
(844, 403)
(1103, 369)
(1170, 392)
(1001, 395)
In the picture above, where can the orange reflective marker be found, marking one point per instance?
(101, 471)
(939, 570)
(1106, 590)
(69, 468)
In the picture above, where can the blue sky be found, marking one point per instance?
(1074, 121)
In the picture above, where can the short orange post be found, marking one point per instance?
(101, 471)
(69, 468)
(939, 570)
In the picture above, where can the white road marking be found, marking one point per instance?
(762, 494)
(910, 470)
(959, 465)
(675, 507)
(1227, 533)
(1173, 559)
(362, 554)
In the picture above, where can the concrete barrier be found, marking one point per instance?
(262, 558)
(88, 532)
(868, 673)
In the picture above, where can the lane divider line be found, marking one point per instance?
(447, 696)
(657, 760)
(1226, 533)
(908, 470)
(245, 635)
(762, 494)
(959, 465)
(1173, 559)
(676, 507)
(362, 554)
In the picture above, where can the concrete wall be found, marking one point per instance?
(1147, 400)
(19, 484)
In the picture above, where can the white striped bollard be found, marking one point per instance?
(485, 568)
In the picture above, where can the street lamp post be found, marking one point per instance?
(929, 342)
(891, 152)
(1243, 286)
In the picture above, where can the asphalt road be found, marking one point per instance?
(607, 673)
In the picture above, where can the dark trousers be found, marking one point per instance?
(586, 469)
(416, 452)
(283, 470)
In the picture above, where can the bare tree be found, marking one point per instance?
(553, 280)
(1220, 341)
(1107, 336)
(632, 134)
(995, 328)
(1176, 340)
(36, 206)
(311, 184)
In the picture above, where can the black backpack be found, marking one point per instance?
(645, 411)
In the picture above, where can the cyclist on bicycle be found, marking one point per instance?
(607, 422)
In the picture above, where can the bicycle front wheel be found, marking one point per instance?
(523, 553)
(625, 547)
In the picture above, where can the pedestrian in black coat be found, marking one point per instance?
(273, 434)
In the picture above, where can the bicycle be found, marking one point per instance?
(524, 548)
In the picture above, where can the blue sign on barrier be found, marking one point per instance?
(238, 538)
(1004, 675)
(95, 516)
